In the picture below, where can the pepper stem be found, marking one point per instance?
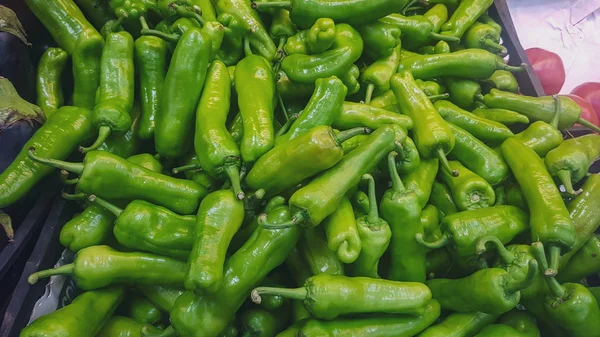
(514, 69)
(445, 165)
(144, 22)
(247, 49)
(397, 185)
(294, 294)
(514, 286)
(504, 253)
(495, 47)
(286, 127)
(369, 95)
(588, 124)
(185, 168)
(442, 242)
(435, 98)
(73, 197)
(168, 332)
(540, 254)
(565, 178)
(373, 215)
(71, 167)
(557, 290)
(172, 38)
(557, 109)
(554, 260)
(408, 6)
(105, 204)
(478, 97)
(67, 269)
(233, 173)
(6, 223)
(283, 108)
(64, 178)
(259, 6)
(347, 134)
(440, 37)
(103, 133)
(186, 13)
(297, 219)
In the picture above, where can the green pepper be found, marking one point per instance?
(251, 222)
(584, 263)
(484, 36)
(541, 137)
(375, 235)
(112, 177)
(282, 27)
(421, 179)
(192, 171)
(478, 157)
(346, 49)
(119, 326)
(438, 263)
(514, 196)
(409, 159)
(491, 291)
(326, 296)
(430, 220)
(358, 114)
(503, 80)
(514, 323)
(90, 227)
(217, 152)
(288, 89)
(232, 46)
(550, 221)
(388, 98)
(469, 190)
(442, 199)
(163, 297)
(460, 325)
(142, 310)
(380, 39)
(342, 234)
(116, 91)
(320, 36)
(468, 63)
(571, 160)
(259, 322)
(463, 92)
(151, 59)
(174, 123)
(98, 13)
(324, 106)
(312, 203)
(401, 209)
(124, 145)
(417, 30)
(306, 12)
(503, 116)
(86, 68)
(314, 249)
(50, 95)
(539, 108)
(464, 16)
(378, 74)
(483, 129)
(85, 316)
(100, 266)
(431, 133)
(219, 217)
(462, 231)
(253, 74)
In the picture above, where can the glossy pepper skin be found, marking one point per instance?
(465, 16)
(431, 133)
(460, 325)
(219, 218)
(375, 235)
(503, 116)
(282, 27)
(217, 153)
(484, 36)
(409, 157)
(491, 291)
(162, 296)
(315, 252)
(85, 316)
(345, 50)
(253, 74)
(355, 115)
(243, 271)
(469, 190)
(380, 39)
(324, 106)
(417, 30)
(86, 58)
(175, 119)
(151, 60)
(56, 139)
(325, 296)
(112, 177)
(141, 309)
(462, 231)
(421, 179)
(305, 13)
(463, 92)
(541, 137)
(522, 323)
(259, 322)
(478, 157)
(377, 76)
(401, 209)
(571, 160)
(550, 221)
(100, 266)
(467, 63)
(49, 90)
(437, 15)
(342, 234)
(88, 228)
(119, 326)
(503, 80)
(430, 220)
(583, 263)
(140, 225)
(442, 199)
(484, 129)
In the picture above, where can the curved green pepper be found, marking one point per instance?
(463, 92)
(320, 37)
(50, 95)
(442, 199)
(119, 326)
(417, 30)
(378, 74)
(481, 35)
(584, 263)
(232, 47)
(421, 179)
(438, 16)
(342, 233)
(259, 322)
(86, 68)
(314, 249)
(503, 116)
(465, 16)
(503, 80)
(469, 190)
(460, 325)
(380, 39)
(355, 115)
(162, 296)
(541, 137)
(282, 27)
(88, 228)
(139, 308)
(98, 13)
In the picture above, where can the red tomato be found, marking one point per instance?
(590, 91)
(549, 68)
(587, 110)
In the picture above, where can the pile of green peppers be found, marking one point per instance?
(308, 168)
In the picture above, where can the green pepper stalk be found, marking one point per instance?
(503, 116)
(355, 115)
(401, 209)
(100, 266)
(375, 235)
(465, 229)
(342, 233)
(492, 290)
(469, 190)
(112, 177)
(563, 301)
(584, 263)
(571, 160)
(417, 30)
(481, 35)
(49, 90)
(378, 74)
(326, 296)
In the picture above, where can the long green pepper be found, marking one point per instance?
(50, 95)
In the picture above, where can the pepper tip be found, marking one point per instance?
(550, 272)
(241, 195)
(455, 173)
(255, 296)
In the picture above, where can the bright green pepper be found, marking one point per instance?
(342, 233)
(460, 325)
(463, 92)
(358, 114)
(100, 266)
(417, 30)
(430, 220)
(465, 16)
(313, 247)
(259, 322)
(469, 190)
(325, 296)
(163, 297)
(232, 47)
(282, 27)
(119, 326)
(378, 74)
(85, 316)
(139, 308)
(321, 35)
(86, 68)
(442, 199)
(401, 209)
(380, 39)
(481, 35)
(50, 95)
(388, 98)
(88, 228)
(409, 159)
(503, 116)
(584, 263)
(541, 137)
(375, 235)
(514, 323)
(438, 16)
(503, 80)
(421, 179)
